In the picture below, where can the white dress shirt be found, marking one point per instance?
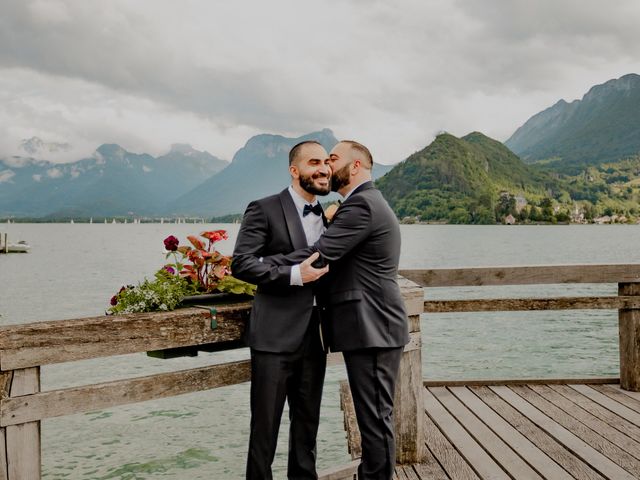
(313, 228)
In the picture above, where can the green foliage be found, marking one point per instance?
(164, 293)
(231, 284)
(458, 181)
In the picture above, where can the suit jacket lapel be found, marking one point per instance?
(364, 186)
(292, 219)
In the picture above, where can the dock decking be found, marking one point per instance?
(525, 431)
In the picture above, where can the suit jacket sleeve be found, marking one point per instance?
(250, 246)
(350, 226)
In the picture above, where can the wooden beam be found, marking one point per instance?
(23, 440)
(43, 343)
(525, 275)
(5, 391)
(516, 381)
(629, 331)
(354, 442)
(528, 304)
(342, 472)
(68, 401)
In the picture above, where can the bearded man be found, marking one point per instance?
(288, 360)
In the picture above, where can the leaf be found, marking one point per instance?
(184, 249)
(196, 242)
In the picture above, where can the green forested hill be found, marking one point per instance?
(460, 180)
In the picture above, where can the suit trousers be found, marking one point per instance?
(372, 374)
(297, 377)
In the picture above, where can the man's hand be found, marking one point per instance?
(310, 273)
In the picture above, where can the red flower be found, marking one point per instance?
(171, 243)
(114, 300)
(215, 235)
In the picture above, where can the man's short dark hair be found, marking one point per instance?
(293, 153)
(364, 151)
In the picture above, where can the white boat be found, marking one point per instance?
(20, 247)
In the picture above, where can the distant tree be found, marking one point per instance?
(546, 210)
(506, 206)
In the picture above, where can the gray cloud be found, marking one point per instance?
(146, 74)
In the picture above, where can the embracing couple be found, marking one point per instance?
(322, 286)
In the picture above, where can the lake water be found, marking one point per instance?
(73, 270)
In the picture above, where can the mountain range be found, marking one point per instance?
(574, 156)
(603, 126)
(183, 182)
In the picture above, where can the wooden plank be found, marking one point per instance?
(538, 460)
(413, 296)
(473, 453)
(452, 462)
(44, 343)
(341, 472)
(584, 433)
(399, 473)
(5, 391)
(629, 332)
(524, 275)
(408, 408)
(597, 410)
(629, 393)
(626, 443)
(4, 470)
(23, 441)
(615, 407)
(74, 400)
(494, 445)
(619, 397)
(354, 441)
(516, 381)
(576, 467)
(410, 473)
(430, 469)
(528, 304)
(580, 448)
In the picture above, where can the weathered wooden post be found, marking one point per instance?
(629, 328)
(408, 405)
(20, 447)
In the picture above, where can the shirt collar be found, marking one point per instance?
(298, 200)
(353, 190)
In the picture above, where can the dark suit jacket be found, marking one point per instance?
(362, 301)
(281, 312)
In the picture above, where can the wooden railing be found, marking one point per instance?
(627, 302)
(25, 348)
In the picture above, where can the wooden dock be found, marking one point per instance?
(528, 429)
(513, 430)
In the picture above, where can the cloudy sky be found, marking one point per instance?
(149, 73)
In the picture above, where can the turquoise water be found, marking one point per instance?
(73, 270)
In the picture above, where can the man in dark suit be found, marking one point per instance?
(287, 358)
(365, 314)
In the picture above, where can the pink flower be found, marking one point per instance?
(170, 269)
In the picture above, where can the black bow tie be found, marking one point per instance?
(317, 209)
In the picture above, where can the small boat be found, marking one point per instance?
(20, 247)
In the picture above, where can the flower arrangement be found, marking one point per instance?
(196, 268)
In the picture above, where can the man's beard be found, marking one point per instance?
(306, 182)
(340, 178)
